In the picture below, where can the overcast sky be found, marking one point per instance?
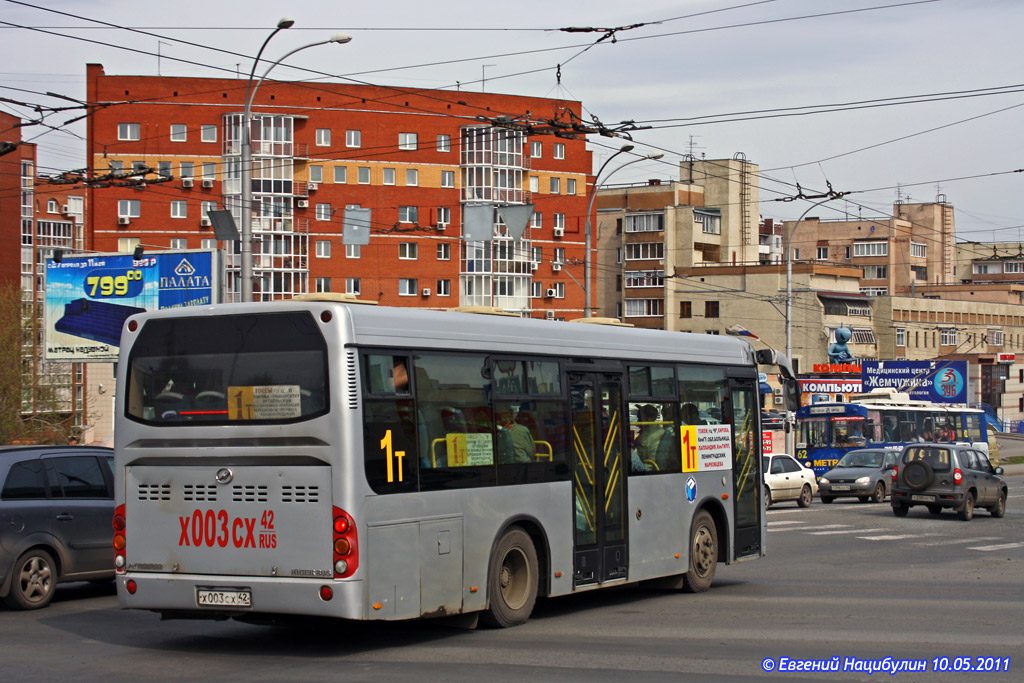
(706, 58)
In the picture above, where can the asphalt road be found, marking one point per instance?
(848, 580)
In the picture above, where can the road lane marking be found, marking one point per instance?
(962, 540)
(813, 528)
(895, 537)
(846, 531)
(1004, 546)
(794, 521)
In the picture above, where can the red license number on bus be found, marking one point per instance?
(216, 528)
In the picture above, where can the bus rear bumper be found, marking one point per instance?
(178, 594)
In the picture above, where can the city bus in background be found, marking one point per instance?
(883, 418)
(321, 457)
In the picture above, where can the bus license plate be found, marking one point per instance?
(923, 499)
(840, 488)
(223, 597)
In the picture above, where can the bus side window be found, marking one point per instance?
(393, 428)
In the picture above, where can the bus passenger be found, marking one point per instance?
(523, 447)
(651, 431)
(691, 415)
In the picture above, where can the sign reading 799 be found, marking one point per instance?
(113, 283)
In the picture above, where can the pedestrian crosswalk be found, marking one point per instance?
(875, 528)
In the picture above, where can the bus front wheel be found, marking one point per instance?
(703, 553)
(511, 580)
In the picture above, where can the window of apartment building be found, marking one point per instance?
(139, 166)
(412, 177)
(208, 244)
(712, 332)
(53, 206)
(323, 212)
(559, 152)
(316, 174)
(901, 336)
(645, 222)
(949, 336)
(323, 137)
(341, 174)
(920, 273)
(618, 255)
(559, 288)
(870, 249)
(559, 255)
(645, 278)
(407, 140)
(444, 143)
(444, 287)
(685, 309)
(711, 223)
(862, 335)
(127, 131)
(208, 133)
(407, 214)
(353, 286)
(710, 309)
(636, 308)
(115, 166)
(995, 337)
(407, 286)
(209, 170)
(179, 132)
(388, 176)
(534, 184)
(919, 250)
(186, 169)
(444, 251)
(862, 311)
(536, 150)
(323, 249)
(323, 284)
(205, 208)
(129, 208)
(876, 272)
(179, 209)
(559, 219)
(823, 253)
(1013, 267)
(536, 254)
(163, 169)
(353, 138)
(447, 178)
(555, 185)
(363, 175)
(537, 220)
(444, 215)
(875, 291)
(179, 243)
(643, 251)
(988, 268)
(408, 251)
(536, 289)
(846, 251)
(127, 244)
(570, 186)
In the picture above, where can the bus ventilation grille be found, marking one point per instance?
(249, 493)
(353, 375)
(300, 494)
(200, 493)
(154, 491)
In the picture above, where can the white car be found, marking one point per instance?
(786, 479)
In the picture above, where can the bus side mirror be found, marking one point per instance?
(791, 389)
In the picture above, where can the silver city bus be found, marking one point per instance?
(362, 462)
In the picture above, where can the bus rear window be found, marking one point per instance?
(268, 367)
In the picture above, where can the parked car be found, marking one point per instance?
(865, 473)
(786, 479)
(955, 476)
(56, 505)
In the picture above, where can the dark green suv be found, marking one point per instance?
(956, 476)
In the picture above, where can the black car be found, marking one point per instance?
(939, 476)
(56, 505)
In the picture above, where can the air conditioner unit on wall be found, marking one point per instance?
(123, 220)
(559, 232)
(550, 294)
(204, 223)
(302, 203)
(311, 186)
(426, 291)
(556, 266)
(779, 400)
(777, 391)
(187, 182)
(64, 209)
(534, 265)
(549, 315)
(207, 183)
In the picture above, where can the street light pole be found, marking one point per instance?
(246, 170)
(587, 309)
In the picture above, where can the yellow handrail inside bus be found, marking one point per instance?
(550, 455)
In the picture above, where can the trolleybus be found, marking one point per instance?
(334, 459)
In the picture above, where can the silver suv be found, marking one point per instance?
(56, 505)
(955, 476)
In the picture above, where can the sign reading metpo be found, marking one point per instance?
(88, 298)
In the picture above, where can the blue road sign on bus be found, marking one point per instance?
(924, 380)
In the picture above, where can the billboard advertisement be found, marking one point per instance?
(924, 380)
(88, 298)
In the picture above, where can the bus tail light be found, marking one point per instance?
(958, 476)
(119, 543)
(346, 546)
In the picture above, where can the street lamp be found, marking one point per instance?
(250, 95)
(587, 312)
(789, 276)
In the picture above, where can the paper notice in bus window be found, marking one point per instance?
(469, 449)
(706, 448)
(275, 402)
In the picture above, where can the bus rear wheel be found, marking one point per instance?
(512, 580)
(703, 554)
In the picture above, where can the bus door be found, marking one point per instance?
(599, 478)
(746, 444)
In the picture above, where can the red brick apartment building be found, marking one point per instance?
(414, 157)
